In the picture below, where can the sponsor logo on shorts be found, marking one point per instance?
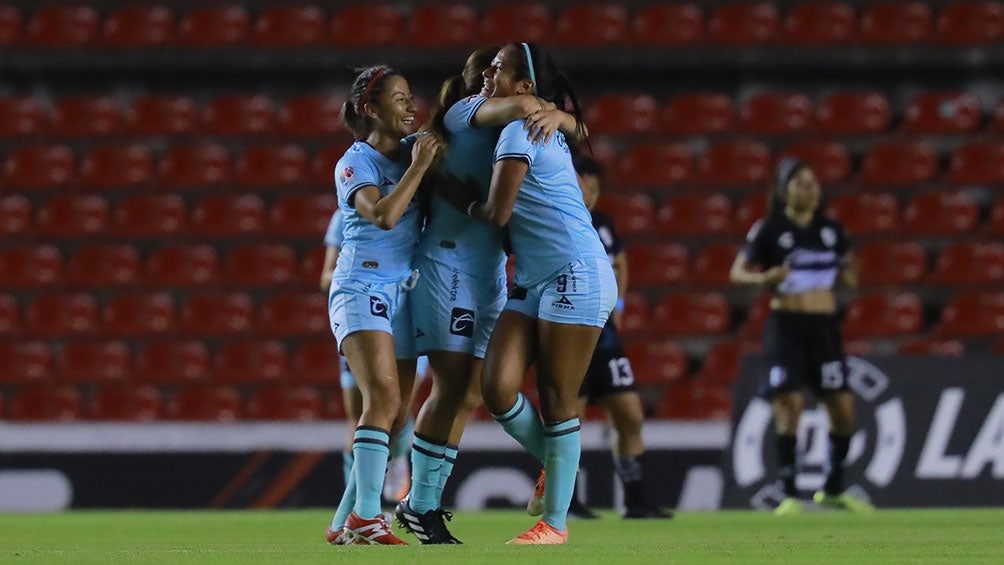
(454, 286)
(563, 303)
(378, 308)
(462, 322)
(419, 332)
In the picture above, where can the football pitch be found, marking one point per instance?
(888, 536)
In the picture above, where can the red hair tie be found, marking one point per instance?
(369, 86)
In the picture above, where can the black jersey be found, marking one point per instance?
(604, 226)
(815, 253)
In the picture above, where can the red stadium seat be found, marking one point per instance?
(21, 116)
(896, 22)
(194, 166)
(744, 23)
(295, 314)
(139, 27)
(756, 317)
(150, 216)
(334, 407)
(883, 315)
(10, 315)
(819, 23)
(866, 213)
(253, 265)
(637, 314)
(619, 114)
(11, 25)
(224, 216)
(46, 403)
(86, 116)
(941, 213)
(104, 266)
(972, 314)
(942, 112)
(25, 363)
(290, 26)
(854, 113)
(87, 362)
(713, 263)
(698, 113)
(302, 215)
(776, 113)
(978, 162)
(38, 166)
(591, 25)
(247, 362)
(366, 25)
(68, 216)
(15, 215)
(828, 159)
(214, 27)
(933, 346)
(996, 223)
(317, 361)
(173, 362)
(686, 401)
(721, 365)
(899, 164)
(207, 404)
(270, 166)
(58, 27)
(734, 163)
(311, 115)
(302, 403)
(162, 114)
(656, 363)
(30, 266)
(311, 265)
(656, 165)
(695, 214)
(970, 263)
(322, 167)
(127, 404)
(183, 265)
(891, 262)
(55, 315)
(750, 209)
(441, 26)
(633, 214)
(668, 25)
(691, 314)
(657, 264)
(970, 22)
(129, 315)
(218, 314)
(237, 115)
(109, 167)
(511, 22)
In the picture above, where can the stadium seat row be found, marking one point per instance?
(443, 25)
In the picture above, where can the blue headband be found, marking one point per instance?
(529, 63)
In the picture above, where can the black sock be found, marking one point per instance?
(629, 471)
(786, 464)
(839, 445)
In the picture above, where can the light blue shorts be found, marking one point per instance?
(347, 380)
(453, 310)
(358, 305)
(583, 292)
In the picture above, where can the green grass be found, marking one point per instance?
(889, 536)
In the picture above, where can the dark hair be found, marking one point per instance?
(368, 85)
(786, 170)
(549, 82)
(586, 165)
(460, 86)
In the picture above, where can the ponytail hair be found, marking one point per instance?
(535, 64)
(460, 86)
(368, 85)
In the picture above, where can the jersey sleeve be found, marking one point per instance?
(334, 236)
(755, 249)
(460, 116)
(513, 144)
(353, 174)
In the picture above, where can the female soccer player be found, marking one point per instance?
(565, 287)
(462, 288)
(377, 179)
(803, 254)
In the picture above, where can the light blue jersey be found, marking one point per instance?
(452, 237)
(333, 237)
(550, 225)
(368, 252)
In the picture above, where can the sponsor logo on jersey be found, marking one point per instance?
(462, 322)
(378, 308)
(828, 236)
(347, 173)
(786, 240)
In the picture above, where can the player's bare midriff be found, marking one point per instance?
(820, 301)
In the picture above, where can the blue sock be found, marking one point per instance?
(402, 443)
(426, 463)
(347, 460)
(522, 423)
(369, 446)
(564, 447)
(445, 471)
(348, 500)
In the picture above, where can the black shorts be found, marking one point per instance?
(609, 370)
(804, 350)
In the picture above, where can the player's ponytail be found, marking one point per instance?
(460, 86)
(535, 64)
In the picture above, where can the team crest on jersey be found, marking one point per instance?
(786, 240)
(829, 236)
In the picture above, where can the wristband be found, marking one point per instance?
(471, 206)
(620, 305)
